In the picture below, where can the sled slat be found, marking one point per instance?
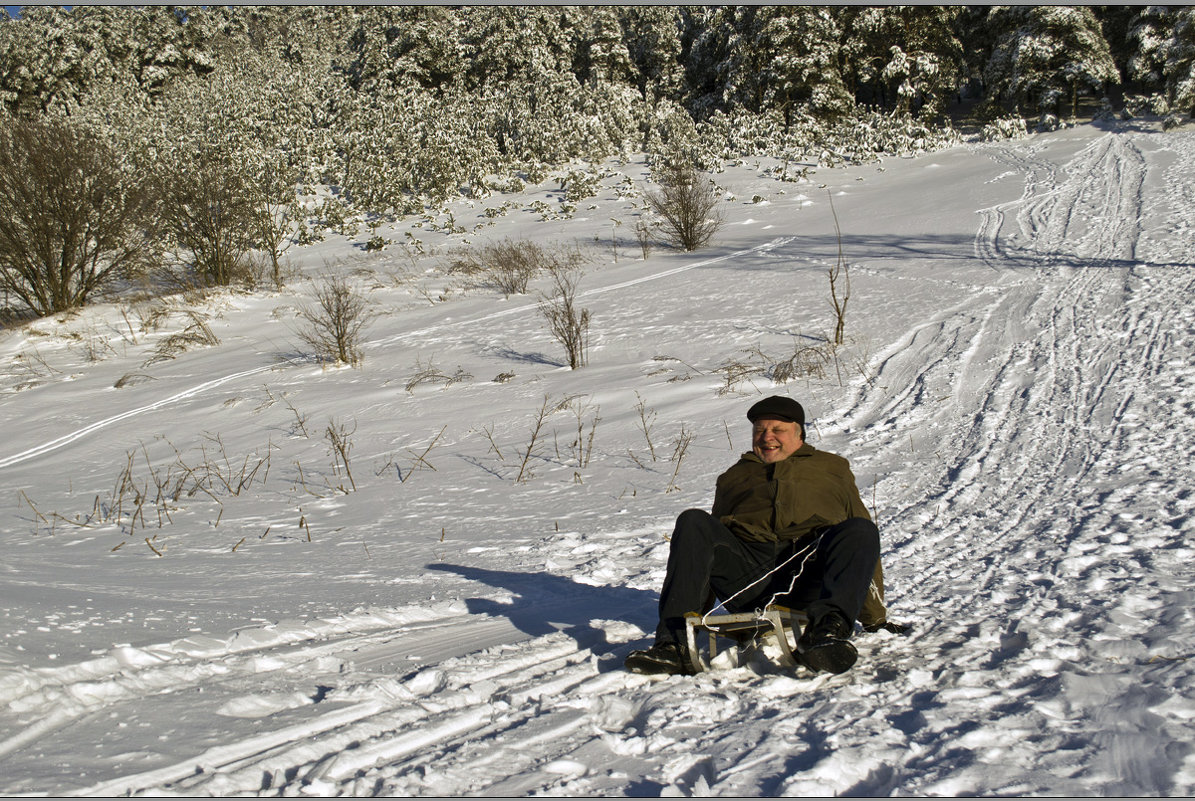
(744, 629)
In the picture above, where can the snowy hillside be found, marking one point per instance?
(1016, 397)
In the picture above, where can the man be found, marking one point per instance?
(787, 525)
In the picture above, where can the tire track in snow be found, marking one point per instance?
(200, 389)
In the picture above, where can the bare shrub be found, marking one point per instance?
(537, 428)
(582, 445)
(840, 283)
(647, 417)
(809, 361)
(210, 209)
(509, 265)
(71, 219)
(429, 373)
(686, 205)
(335, 324)
(568, 324)
(197, 334)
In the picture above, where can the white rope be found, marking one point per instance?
(808, 551)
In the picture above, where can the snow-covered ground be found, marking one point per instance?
(1016, 397)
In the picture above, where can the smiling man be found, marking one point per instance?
(787, 526)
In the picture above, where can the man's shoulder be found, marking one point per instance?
(747, 463)
(809, 456)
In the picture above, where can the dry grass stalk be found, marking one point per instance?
(647, 419)
(489, 433)
(300, 421)
(197, 334)
(430, 374)
(340, 443)
(541, 417)
(735, 373)
(809, 361)
(421, 459)
(679, 449)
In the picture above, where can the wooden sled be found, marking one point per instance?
(745, 630)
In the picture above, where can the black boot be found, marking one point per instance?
(662, 658)
(825, 644)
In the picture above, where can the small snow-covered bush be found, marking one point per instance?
(579, 184)
(1138, 105)
(1005, 128)
(1174, 120)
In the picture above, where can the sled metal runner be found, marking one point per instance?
(745, 630)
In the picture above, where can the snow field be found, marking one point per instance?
(1015, 400)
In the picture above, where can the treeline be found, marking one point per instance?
(396, 108)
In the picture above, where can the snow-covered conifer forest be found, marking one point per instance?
(327, 117)
(355, 363)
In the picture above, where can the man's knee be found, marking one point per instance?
(859, 533)
(691, 516)
(693, 525)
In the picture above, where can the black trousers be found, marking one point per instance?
(707, 562)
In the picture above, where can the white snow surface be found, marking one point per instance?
(1016, 397)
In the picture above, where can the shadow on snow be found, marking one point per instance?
(545, 604)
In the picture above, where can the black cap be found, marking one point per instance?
(777, 408)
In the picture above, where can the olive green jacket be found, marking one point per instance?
(792, 499)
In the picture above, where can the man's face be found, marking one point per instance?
(775, 440)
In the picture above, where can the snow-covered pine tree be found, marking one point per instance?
(906, 58)
(1179, 67)
(1047, 55)
(799, 58)
(652, 36)
(762, 58)
(1148, 34)
(405, 46)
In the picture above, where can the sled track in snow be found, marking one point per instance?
(1067, 364)
(1039, 334)
(358, 713)
(394, 728)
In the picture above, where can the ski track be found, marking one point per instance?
(200, 389)
(1043, 402)
(1039, 447)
